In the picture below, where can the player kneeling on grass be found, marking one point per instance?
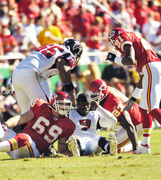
(46, 123)
(85, 140)
(113, 100)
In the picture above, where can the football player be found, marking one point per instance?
(85, 140)
(112, 100)
(46, 123)
(135, 51)
(29, 78)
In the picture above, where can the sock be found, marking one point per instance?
(4, 146)
(156, 113)
(147, 124)
(20, 140)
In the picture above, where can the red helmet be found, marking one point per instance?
(61, 102)
(112, 37)
(98, 90)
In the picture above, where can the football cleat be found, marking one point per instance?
(113, 144)
(142, 150)
(73, 146)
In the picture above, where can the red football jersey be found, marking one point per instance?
(114, 103)
(143, 52)
(45, 129)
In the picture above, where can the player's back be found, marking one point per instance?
(43, 59)
(114, 103)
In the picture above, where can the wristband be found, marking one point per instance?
(68, 87)
(137, 92)
(118, 60)
(133, 99)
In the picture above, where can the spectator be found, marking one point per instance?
(32, 9)
(141, 12)
(31, 34)
(94, 40)
(51, 33)
(150, 27)
(116, 76)
(91, 73)
(9, 42)
(156, 39)
(81, 22)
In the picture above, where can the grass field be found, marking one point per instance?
(120, 167)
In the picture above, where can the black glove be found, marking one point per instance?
(110, 57)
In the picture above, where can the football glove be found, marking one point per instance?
(110, 57)
(129, 103)
(4, 127)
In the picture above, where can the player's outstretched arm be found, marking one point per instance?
(63, 147)
(20, 119)
(127, 59)
(126, 123)
(65, 76)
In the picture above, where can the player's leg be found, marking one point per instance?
(29, 86)
(73, 146)
(154, 95)
(39, 88)
(146, 103)
(123, 142)
(20, 81)
(21, 146)
(108, 145)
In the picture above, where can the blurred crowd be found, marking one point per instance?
(28, 24)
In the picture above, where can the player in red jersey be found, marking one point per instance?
(46, 123)
(112, 100)
(135, 51)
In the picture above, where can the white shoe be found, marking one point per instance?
(142, 150)
(73, 146)
(1, 132)
(113, 144)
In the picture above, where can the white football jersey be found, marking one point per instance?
(43, 59)
(85, 123)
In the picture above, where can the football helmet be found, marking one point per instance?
(61, 102)
(98, 90)
(74, 47)
(112, 37)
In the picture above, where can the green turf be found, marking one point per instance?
(120, 167)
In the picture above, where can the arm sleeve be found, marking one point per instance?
(107, 119)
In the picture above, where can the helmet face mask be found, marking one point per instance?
(111, 40)
(74, 47)
(97, 90)
(61, 103)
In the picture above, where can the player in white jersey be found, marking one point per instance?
(29, 79)
(87, 123)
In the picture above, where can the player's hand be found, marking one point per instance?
(94, 105)
(4, 127)
(129, 103)
(110, 57)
